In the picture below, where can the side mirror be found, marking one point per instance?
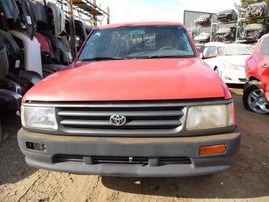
(210, 52)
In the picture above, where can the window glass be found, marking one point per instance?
(129, 42)
(265, 47)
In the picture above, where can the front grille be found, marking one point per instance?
(121, 160)
(138, 117)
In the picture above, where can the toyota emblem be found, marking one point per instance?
(118, 120)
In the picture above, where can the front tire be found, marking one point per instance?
(254, 100)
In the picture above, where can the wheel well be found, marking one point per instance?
(252, 78)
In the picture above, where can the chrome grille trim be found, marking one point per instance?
(124, 113)
(72, 117)
(157, 117)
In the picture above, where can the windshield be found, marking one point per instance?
(236, 50)
(132, 42)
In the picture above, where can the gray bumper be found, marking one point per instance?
(81, 149)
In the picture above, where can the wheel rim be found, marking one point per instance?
(257, 102)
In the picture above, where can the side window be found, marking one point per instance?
(265, 47)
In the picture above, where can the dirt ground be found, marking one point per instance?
(248, 180)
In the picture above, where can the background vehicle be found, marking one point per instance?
(252, 32)
(256, 90)
(204, 37)
(131, 104)
(203, 20)
(225, 34)
(228, 60)
(256, 10)
(227, 15)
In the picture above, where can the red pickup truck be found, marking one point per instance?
(137, 101)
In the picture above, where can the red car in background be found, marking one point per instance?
(256, 90)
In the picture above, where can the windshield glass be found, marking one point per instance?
(236, 50)
(131, 42)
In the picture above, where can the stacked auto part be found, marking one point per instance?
(203, 20)
(227, 16)
(202, 38)
(256, 16)
(34, 43)
(256, 10)
(225, 34)
(252, 32)
(204, 23)
(222, 26)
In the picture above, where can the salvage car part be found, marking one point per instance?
(31, 47)
(202, 38)
(228, 15)
(13, 51)
(225, 34)
(203, 20)
(6, 83)
(56, 19)
(256, 10)
(59, 52)
(10, 9)
(41, 15)
(252, 32)
(9, 100)
(4, 61)
(28, 17)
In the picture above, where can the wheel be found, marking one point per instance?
(254, 100)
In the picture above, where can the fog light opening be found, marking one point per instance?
(211, 150)
(36, 146)
(227, 78)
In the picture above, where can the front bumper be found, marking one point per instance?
(233, 76)
(74, 154)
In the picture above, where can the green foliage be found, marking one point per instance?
(245, 3)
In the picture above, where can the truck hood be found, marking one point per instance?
(137, 79)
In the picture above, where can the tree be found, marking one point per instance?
(245, 3)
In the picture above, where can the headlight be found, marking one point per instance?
(38, 118)
(209, 117)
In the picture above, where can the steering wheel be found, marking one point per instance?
(167, 48)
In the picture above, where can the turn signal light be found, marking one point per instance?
(210, 150)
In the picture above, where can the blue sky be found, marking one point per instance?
(160, 10)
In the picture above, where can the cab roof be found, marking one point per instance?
(138, 24)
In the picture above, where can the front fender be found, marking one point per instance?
(265, 83)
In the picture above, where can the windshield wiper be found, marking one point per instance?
(102, 58)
